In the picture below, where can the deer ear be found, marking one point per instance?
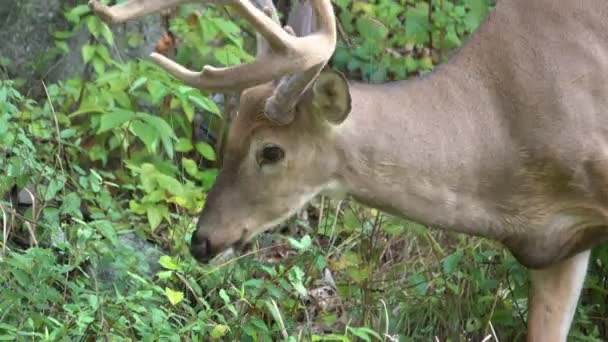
(331, 96)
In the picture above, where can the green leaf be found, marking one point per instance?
(478, 11)
(99, 65)
(157, 91)
(103, 52)
(451, 262)
(155, 216)
(112, 120)
(224, 295)
(164, 275)
(106, 33)
(372, 29)
(302, 245)
(219, 331)
(55, 185)
(169, 263)
(417, 22)
(296, 275)
(146, 133)
(75, 13)
(184, 145)
(165, 132)
(107, 230)
(190, 167)
(188, 110)
(88, 51)
(206, 151)
(175, 297)
(71, 205)
(138, 83)
(169, 184)
(364, 333)
(205, 103)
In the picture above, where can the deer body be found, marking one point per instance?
(519, 156)
(508, 140)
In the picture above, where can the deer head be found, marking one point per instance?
(286, 99)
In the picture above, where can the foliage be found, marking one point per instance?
(388, 39)
(111, 158)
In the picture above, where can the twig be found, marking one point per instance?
(385, 318)
(280, 319)
(4, 229)
(494, 305)
(59, 142)
(14, 213)
(333, 227)
(31, 227)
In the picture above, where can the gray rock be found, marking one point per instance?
(132, 254)
(26, 39)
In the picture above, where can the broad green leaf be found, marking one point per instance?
(184, 145)
(175, 297)
(107, 34)
(190, 167)
(372, 29)
(169, 263)
(157, 91)
(71, 205)
(99, 65)
(206, 151)
(88, 51)
(146, 133)
(53, 188)
(163, 275)
(301, 245)
(451, 262)
(103, 52)
(75, 13)
(115, 119)
(365, 333)
(478, 10)
(224, 295)
(417, 22)
(205, 103)
(188, 110)
(138, 83)
(296, 275)
(359, 274)
(169, 184)
(164, 131)
(155, 216)
(219, 331)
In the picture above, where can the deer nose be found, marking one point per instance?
(200, 248)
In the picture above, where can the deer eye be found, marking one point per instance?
(270, 154)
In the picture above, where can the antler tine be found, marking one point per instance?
(280, 106)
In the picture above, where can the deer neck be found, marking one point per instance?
(419, 149)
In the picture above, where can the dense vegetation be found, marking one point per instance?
(101, 177)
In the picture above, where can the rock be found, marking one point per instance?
(26, 36)
(132, 254)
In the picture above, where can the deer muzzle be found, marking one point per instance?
(201, 248)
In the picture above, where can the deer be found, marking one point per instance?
(507, 140)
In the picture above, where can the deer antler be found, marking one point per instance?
(286, 55)
(301, 22)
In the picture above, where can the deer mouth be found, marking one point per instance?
(206, 253)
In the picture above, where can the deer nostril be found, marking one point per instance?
(200, 248)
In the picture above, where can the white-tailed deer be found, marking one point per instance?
(508, 140)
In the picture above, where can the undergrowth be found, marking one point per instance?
(102, 178)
